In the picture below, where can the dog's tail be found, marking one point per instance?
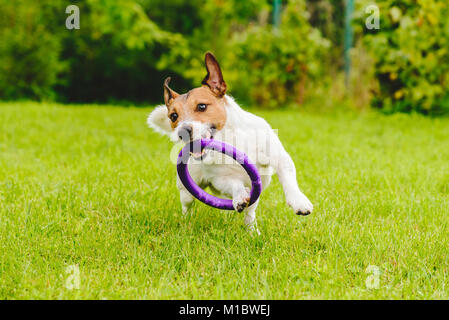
(158, 120)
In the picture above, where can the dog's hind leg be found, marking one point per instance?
(250, 218)
(185, 197)
(186, 200)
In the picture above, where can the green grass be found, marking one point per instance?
(92, 186)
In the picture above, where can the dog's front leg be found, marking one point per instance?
(279, 159)
(234, 188)
(286, 172)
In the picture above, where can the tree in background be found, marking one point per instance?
(125, 49)
(328, 17)
(206, 25)
(275, 67)
(29, 51)
(411, 55)
(263, 65)
(114, 54)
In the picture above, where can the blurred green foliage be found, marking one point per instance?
(125, 48)
(279, 62)
(411, 55)
(29, 52)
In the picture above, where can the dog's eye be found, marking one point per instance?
(201, 107)
(174, 117)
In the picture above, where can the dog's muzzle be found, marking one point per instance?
(185, 134)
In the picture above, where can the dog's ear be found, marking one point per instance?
(158, 120)
(169, 94)
(214, 78)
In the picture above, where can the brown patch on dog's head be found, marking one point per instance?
(204, 104)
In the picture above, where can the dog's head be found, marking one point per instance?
(196, 114)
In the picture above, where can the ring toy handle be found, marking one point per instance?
(219, 146)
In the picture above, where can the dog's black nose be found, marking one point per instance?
(185, 133)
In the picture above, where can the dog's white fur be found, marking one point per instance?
(230, 179)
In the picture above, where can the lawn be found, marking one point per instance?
(89, 191)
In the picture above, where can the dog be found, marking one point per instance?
(208, 112)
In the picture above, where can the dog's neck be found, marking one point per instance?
(235, 115)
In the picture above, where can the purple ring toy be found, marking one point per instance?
(200, 194)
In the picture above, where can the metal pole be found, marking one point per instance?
(276, 13)
(349, 35)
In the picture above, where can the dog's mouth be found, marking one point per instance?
(199, 155)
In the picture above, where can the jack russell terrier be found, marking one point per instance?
(207, 112)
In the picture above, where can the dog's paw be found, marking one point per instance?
(302, 206)
(253, 230)
(241, 202)
(240, 205)
(185, 211)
